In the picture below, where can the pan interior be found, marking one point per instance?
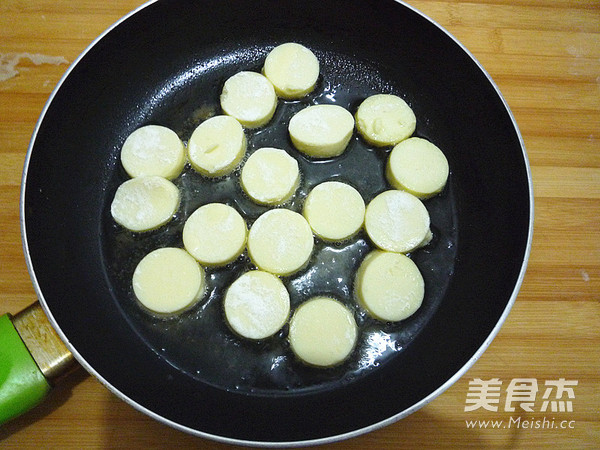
(198, 341)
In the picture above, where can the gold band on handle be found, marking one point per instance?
(47, 349)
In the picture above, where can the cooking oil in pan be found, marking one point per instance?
(198, 341)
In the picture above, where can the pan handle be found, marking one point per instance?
(32, 358)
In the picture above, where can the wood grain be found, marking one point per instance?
(545, 57)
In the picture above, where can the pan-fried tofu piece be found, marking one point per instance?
(385, 119)
(389, 286)
(250, 98)
(153, 150)
(256, 305)
(215, 234)
(217, 146)
(417, 166)
(323, 332)
(334, 210)
(270, 176)
(145, 203)
(280, 242)
(321, 131)
(168, 280)
(397, 221)
(293, 69)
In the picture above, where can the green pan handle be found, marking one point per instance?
(22, 383)
(30, 360)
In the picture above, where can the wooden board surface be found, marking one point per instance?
(545, 57)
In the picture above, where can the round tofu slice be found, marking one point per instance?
(397, 221)
(321, 131)
(385, 119)
(153, 150)
(389, 286)
(215, 234)
(270, 176)
(417, 166)
(168, 280)
(280, 242)
(217, 146)
(145, 203)
(334, 210)
(323, 332)
(250, 98)
(256, 305)
(293, 69)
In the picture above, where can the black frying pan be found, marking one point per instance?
(165, 64)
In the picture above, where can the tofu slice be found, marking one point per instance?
(389, 286)
(217, 146)
(323, 332)
(397, 221)
(334, 210)
(321, 131)
(145, 203)
(293, 69)
(419, 167)
(250, 98)
(153, 150)
(384, 119)
(215, 234)
(168, 280)
(256, 305)
(280, 242)
(270, 176)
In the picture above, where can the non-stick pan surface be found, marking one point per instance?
(165, 64)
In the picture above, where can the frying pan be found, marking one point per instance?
(165, 64)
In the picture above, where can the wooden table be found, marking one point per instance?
(545, 57)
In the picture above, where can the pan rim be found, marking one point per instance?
(318, 441)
